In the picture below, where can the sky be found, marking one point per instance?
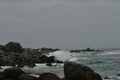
(65, 24)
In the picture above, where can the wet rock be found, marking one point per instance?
(13, 47)
(71, 67)
(84, 76)
(45, 50)
(2, 52)
(13, 54)
(118, 74)
(2, 75)
(2, 47)
(27, 77)
(0, 67)
(51, 59)
(106, 78)
(74, 71)
(49, 64)
(13, 73)
(49, 76)
(43, 59)
(30, 64)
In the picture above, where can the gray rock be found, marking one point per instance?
(49, 76)
(27, 77)
(13, 73)
(2, 75)
(118, 74)
(74, 71)
(14, 47)
(72, 67)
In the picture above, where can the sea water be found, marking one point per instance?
(106, 63)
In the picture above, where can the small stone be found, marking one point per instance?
(106, 78)
(118, 74)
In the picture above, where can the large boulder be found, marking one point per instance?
(2, 75)
(14, 47)
(45, 50)
(13, 73)
(27, 77)
(49, 76)
(30, 64)
(2, 52)
(43, 59)
(75, 71)
(2, 47)
(51, 59)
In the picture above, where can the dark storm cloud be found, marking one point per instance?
(60, 23)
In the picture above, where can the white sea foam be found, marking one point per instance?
(63, 56)
(73, 59)
(4, 67)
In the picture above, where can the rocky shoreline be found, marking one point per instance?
(13, 54)
(72, 71)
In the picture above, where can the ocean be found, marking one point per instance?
(106, 63)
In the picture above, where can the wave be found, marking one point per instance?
(63, 56)
(110, 53)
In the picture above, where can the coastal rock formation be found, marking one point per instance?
(2, 75)
(85, 50)
(13, 54)
(13, 73)
(49, 76)
(74, 71)
(16, 73)
(27, 77)
(13, 47)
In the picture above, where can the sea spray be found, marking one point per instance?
(63, 56)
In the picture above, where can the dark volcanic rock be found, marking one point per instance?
(13, 73)
(27, 77)
(43, 59)
(118, 74)
(2, 51)
(84, 76)
(14, 47)
(29, 64)
(0, 67)
(45, 50)
(2, 75)
(49, 64)
(51, 59)
(2, 47)
(106, 78)
(13, 54)
(74, 71)
(49, 76)
(70, 67)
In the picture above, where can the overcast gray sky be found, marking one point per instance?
(66, 24)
